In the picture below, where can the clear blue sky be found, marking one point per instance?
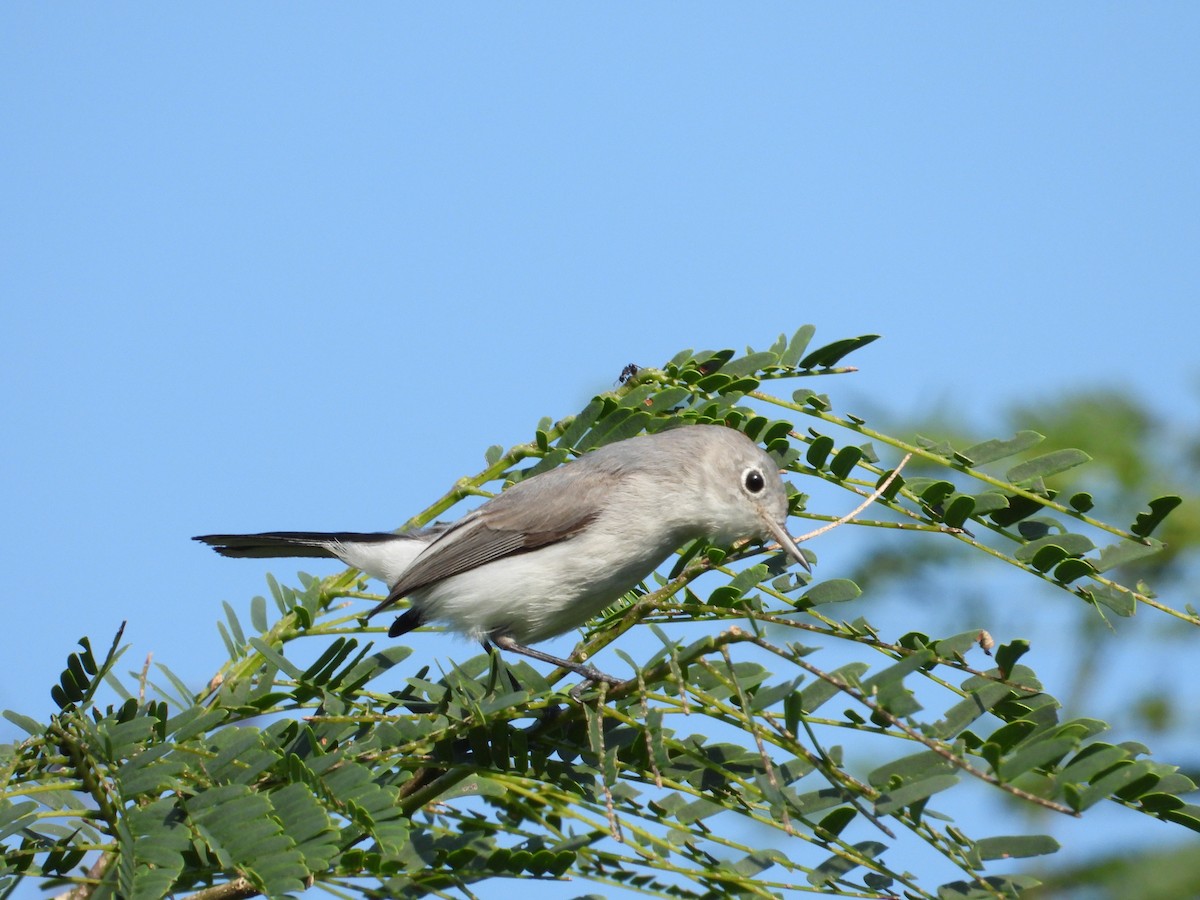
(290, 266)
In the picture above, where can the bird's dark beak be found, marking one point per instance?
(780, 534)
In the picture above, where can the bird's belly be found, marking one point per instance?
(539, 594)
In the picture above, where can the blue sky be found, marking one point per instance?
(272, 266)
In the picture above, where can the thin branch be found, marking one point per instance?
(937, 747)
(768, 765)
(231, 890)
(853, 514)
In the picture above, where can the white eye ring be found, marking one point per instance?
(753, 481)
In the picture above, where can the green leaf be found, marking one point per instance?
(1046, 465)
(1081, 502)
(237, 826)
(1036, 755)
(836, 590)
(766, 697)
(933, 492)
(1187, 815)
(818, 451)
(1069, 544)
(193, 721)
(241, 754)
(352, 790)
(1073, 569)
(1048, 557)
(759, 861)
(697, 810)
(150, 772)
(969, 709)
(231, 647)
(1126, 552)
(617, 426)
(87, 658)
(957, 646)
(307, 823)
(1008, 654)
(679, 359)
(796, 347)
(712, 360)
(808, 397)
(1160, 508)
(992, 450)
(888, 687)
(793, 710)
(936, 447)
(746, 580)
(235, 627)
(159, 839)
(275, 658)
(911, 792)
(1018, 508)
(838, 865)
(987, 888)
(776, 431)
(1091, 761)
(258, 614)
(753, 428)
(1017, 846)
(958, 510)
(820, 691)
(281, 596)
(24, 722)
(579, 426)
(750, 364)
(16, 816)
(1120, 778)
(668, 398)
(1121, 602)
(835, 822)
(914, 767)
(893, 488)
(831, 354)
(845, 461)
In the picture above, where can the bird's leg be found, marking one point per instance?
(591, 673)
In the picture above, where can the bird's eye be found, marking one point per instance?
(754, 481)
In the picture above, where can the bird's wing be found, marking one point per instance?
(492, 532)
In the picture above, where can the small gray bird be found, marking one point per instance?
(550, 552)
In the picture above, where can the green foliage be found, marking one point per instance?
(717, 769)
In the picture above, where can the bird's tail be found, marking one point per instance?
(276, 544)
(405, 622)
(379, 554)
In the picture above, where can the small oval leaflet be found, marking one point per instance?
(836, 590)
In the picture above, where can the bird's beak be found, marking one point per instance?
(779, 532)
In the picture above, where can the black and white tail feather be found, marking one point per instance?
(384, 555)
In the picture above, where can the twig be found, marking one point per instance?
(768, 765)
(937, 747)
(850, 516)
(238, 889)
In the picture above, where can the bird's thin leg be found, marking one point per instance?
(591, 673)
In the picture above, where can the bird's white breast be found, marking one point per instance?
(545, 592)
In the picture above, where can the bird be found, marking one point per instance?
(550, 552)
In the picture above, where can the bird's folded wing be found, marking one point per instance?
(476, 540)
